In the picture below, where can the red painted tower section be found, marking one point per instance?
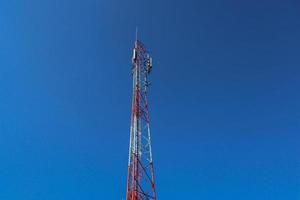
(140, 179)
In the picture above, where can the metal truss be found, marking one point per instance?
(140, 180)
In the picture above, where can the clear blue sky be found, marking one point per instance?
(225, 101)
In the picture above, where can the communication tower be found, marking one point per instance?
(140, 179)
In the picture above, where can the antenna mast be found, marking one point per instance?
(140, 179)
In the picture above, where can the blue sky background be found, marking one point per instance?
(225, 101)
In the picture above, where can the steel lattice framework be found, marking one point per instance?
(140, 180)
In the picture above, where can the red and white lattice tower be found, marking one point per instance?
(140, 180)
